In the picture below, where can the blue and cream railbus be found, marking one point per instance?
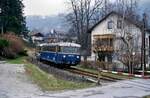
(62, 53)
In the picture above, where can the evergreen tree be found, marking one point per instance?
(12, 18)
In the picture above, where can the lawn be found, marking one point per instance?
(147, 96)
(19, 60)
(46, 81)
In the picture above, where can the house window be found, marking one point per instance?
(146, 42)
(110, 24)
(119, 24)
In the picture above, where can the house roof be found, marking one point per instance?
(38, 35)
(113, 12)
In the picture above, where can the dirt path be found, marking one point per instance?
(15, 84)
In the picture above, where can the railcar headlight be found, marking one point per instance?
(78, 57)
(64, 56)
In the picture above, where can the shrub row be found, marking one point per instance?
(3, 43)
(97, 64)
(11, 46)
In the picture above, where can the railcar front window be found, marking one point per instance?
(39, 49)
(70, 49)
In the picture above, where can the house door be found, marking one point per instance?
(105, 56)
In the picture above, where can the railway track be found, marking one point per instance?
(88, 74)
(92, 75)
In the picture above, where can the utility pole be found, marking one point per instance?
(145, 28)
(143, 50)
(1, 21)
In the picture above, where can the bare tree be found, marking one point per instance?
(128, 8)
(128, 41)
(82, 18)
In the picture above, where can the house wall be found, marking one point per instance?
(37, 39)
(102, 29)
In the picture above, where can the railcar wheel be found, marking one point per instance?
(67, 66)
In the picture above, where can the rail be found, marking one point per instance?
(93, 75)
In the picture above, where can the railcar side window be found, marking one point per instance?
(52, 48)
(49, 48)
(59, 49)
(44, 48)
(70, 49)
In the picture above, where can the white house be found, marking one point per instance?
(107, 36)
(37, 37)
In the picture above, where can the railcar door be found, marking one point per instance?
(49, 53)
(58, 55)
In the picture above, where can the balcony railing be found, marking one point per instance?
(104, 43)
(104, 48)
(105, 36)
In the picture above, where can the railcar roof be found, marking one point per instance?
(60, 44)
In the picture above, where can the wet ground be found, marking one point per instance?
(15, 84)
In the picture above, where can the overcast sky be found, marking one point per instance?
(52, 7)
(44, 7)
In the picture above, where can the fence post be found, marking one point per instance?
(99, 76)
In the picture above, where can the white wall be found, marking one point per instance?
(101, 29)
(34, 39)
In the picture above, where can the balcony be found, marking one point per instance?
(104, 43)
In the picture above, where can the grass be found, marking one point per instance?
(147, 96)
(46, 81)
(18, 60)
(49, 82)
(21, 60)
(104, 73)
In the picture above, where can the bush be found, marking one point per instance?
(4, 43)
(97, 64)
(89, 64)
(23, 53)
(14, 45)
(8, 53)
